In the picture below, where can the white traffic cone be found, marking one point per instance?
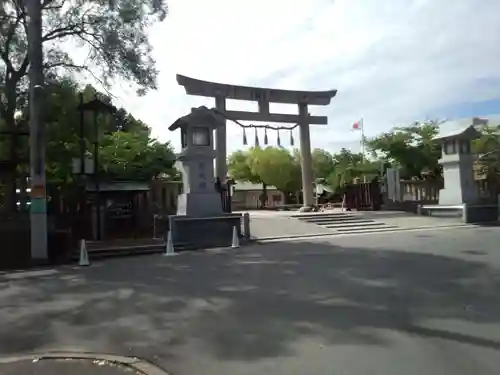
(84, 255)
(169, 249)
(236, 241)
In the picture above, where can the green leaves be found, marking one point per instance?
(240, 168)
(488, 148)
(114, 40)
(276, 167)
(127, 151)
(269, 166)
(411, 147)
(134, 156)
(280, 168)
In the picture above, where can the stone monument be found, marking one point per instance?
(264, 96)
(200, 221)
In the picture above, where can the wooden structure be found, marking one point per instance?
(129, 209)
(248, 196)
(363, 196)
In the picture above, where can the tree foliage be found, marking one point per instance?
(412, 148)
(323, 163)
(276, 167)
(127, 150)
(114, 39)
(488, 149)
(280, 168)
(134, 156)
(239, 167)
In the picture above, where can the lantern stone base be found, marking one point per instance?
(305, 209)
(196, 233)
(481, 213)
(199, 204)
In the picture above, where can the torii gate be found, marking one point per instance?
(264, 96)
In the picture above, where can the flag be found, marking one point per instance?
(358, 125)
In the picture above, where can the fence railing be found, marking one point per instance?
(420, 190)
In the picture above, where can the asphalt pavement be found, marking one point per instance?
(391, 303)
(62, 367)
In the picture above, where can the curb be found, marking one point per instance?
(139, 365)
(388, 230)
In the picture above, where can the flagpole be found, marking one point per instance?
(362, 141)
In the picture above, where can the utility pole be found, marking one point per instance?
(38, 207)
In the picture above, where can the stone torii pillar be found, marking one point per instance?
(221, 142)
(264, 96)
(305, 158)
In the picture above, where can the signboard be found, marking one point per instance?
(38, 206)
(37, 192)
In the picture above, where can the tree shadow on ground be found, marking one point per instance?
(255, 302)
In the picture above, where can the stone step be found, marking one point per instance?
(384, 228)
(320, 215)
(344, 219)
(122, 251)
(356, 225)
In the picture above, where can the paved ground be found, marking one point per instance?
(282, 225)
(393, 303)
(63, 367)
(275, 224)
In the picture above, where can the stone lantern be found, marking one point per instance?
(200, 221)
(457, 161)
(195, 162)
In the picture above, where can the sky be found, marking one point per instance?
(392, 61)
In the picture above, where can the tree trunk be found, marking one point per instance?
(263, 196)
(11, 83)
(11, 175)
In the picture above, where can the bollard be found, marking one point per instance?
(236, 241)
(84, 255)
(169, 249)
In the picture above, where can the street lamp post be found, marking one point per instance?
(95, 106)
(38, 207)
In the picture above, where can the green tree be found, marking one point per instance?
(348, 165)
(323, 163)
(115, 39)
(239, 167)
(411, 147)
(276, 167)
(127, 151)
(113, 35)
(488, 149)
(134, 156)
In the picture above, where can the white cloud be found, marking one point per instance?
(391, 60)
